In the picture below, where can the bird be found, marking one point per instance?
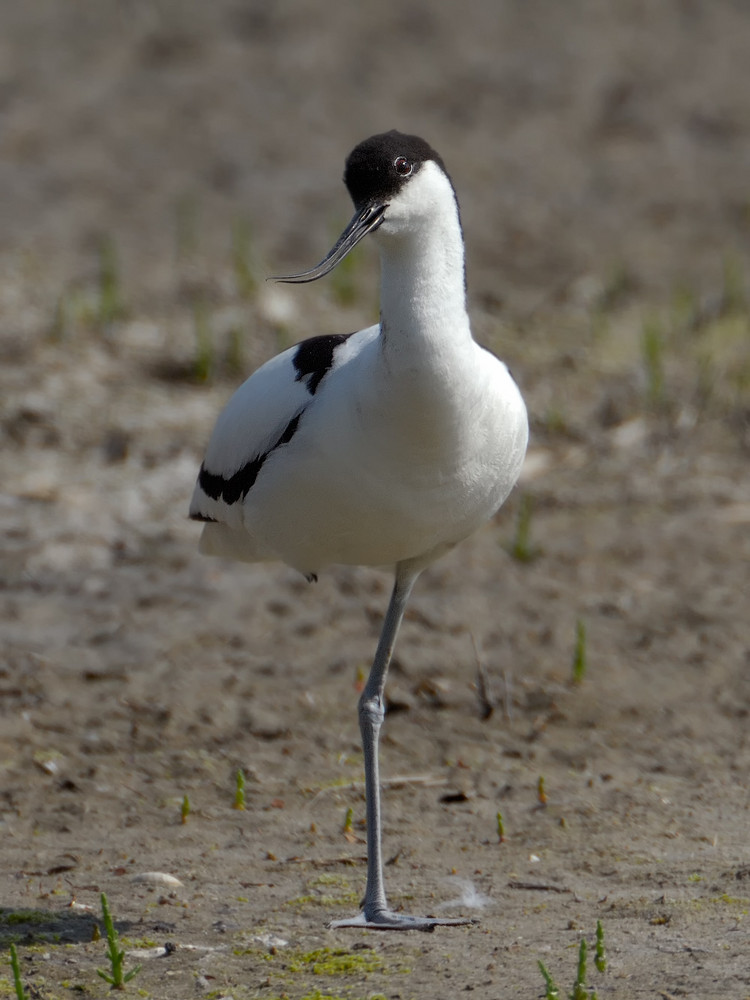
(385, 447)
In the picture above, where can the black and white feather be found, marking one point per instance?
(382, 447)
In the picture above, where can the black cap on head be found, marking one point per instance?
(377, 168)
(375, 172)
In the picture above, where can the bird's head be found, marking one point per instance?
(397, 183)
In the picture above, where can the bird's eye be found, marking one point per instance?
(403, 166)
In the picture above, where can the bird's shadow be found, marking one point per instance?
(29, 926)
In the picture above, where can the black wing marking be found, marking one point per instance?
(236, 487)
(313, 358)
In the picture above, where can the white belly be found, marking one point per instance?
(420, 489)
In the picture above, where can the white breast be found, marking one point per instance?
(368, 479)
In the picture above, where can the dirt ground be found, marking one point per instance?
(157, 160)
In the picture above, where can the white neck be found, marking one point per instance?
(422, 293)
(427, 352)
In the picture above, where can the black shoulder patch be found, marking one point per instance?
(313, 358)
(230, 489)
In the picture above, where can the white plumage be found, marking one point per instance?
(383, 447)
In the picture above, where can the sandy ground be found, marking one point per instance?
(601, 154)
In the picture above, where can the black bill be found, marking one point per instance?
(364, 222)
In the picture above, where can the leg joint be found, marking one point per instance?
(371, 708)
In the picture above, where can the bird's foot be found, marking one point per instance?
(387, 920)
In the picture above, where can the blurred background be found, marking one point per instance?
(590, 141)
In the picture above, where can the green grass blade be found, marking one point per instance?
(133, 972)
(239, 794)
(17, 983)
(551, 990)
(579, 653)
(579, 987)
(115, 954)
(600, 956)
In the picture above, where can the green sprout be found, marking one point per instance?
(20, 992)
(239, 794)
(348, 829)
(579, 653)
(111, 306)
(235, 355)
(116, 955)
(521, 547)
(185, 810)
(600, 957)
(579, 987)
(500, 828)
(343, 281)
(541, 792)
(551, 990)
(580, 990)
(242, 259)
(652, 347)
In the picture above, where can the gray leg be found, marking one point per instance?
(376, 914)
